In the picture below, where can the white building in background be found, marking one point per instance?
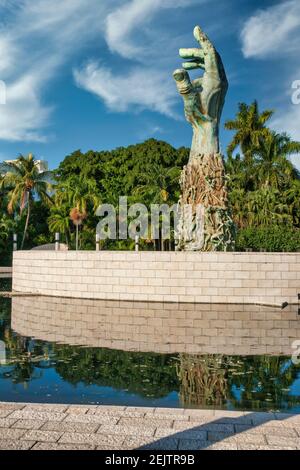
(42, 165)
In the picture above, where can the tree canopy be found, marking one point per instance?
(264, 188)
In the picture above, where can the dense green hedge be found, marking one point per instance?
(269, 238)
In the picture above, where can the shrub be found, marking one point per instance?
(268, 238)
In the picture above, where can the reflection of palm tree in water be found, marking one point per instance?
(24, 358)
(264, 382)
(202, 380)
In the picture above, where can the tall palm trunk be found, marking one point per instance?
(77, 236)
(27, 219)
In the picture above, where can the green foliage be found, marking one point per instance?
(249, 125)
(276, 238)
(21, 184)
(147, 173)
(264, 186)
(147, 374)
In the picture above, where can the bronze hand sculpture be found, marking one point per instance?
(207, 225)
(204, 97)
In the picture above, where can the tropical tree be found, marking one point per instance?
(59, 221)
(157, 185)
(78, 196)
(24, 182)
(292, 198)
(249, 127)
(272, 167)
(265, 207)
(239, 173)
(79, 192)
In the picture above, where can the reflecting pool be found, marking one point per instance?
(142, 354)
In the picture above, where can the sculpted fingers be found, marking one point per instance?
(203, 40)
(196, 56)
(193, 65)
(183, 81)
(191, 53)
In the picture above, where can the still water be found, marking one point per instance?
(119, 353)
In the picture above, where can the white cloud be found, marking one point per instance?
(274, 31)
(149, 85)
(127, 19)
(23, 115)
(287, 118)
(270, 34)
(36, 40)
(140, 88)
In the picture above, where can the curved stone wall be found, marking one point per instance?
(157, 276)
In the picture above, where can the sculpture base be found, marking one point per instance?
(205, 221)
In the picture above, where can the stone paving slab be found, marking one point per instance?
(90, 419)
(7, 422)
(42, 436)
(71, 427)
(8, 444)
(83, 427)
(27, 424)
(55, 446)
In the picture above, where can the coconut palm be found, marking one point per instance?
(59, 220)
(79, 192)
(25, 182)
(272, 166)
(249, 127)
(156, 184)
(237, 198)
(240, 174)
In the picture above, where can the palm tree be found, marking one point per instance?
(24, 182)
(77, 218)
(81, 196)
(249, 125)
(59, 221)
(272, 166)
(237, 198)
(79, 192)
(158, 185)
(238, 174)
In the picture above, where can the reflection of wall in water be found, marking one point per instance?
(157, 327)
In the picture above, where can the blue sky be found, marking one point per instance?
(97, 74)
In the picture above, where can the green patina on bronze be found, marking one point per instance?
(203, 180)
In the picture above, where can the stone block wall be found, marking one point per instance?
(160, 277)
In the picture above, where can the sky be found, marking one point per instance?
(97, 74)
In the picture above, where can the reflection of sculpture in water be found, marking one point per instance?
(246, 382)
(203, 181)
(203, 381)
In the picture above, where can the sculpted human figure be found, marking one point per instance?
(206, 225)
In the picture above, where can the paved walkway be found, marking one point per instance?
(72, 427)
